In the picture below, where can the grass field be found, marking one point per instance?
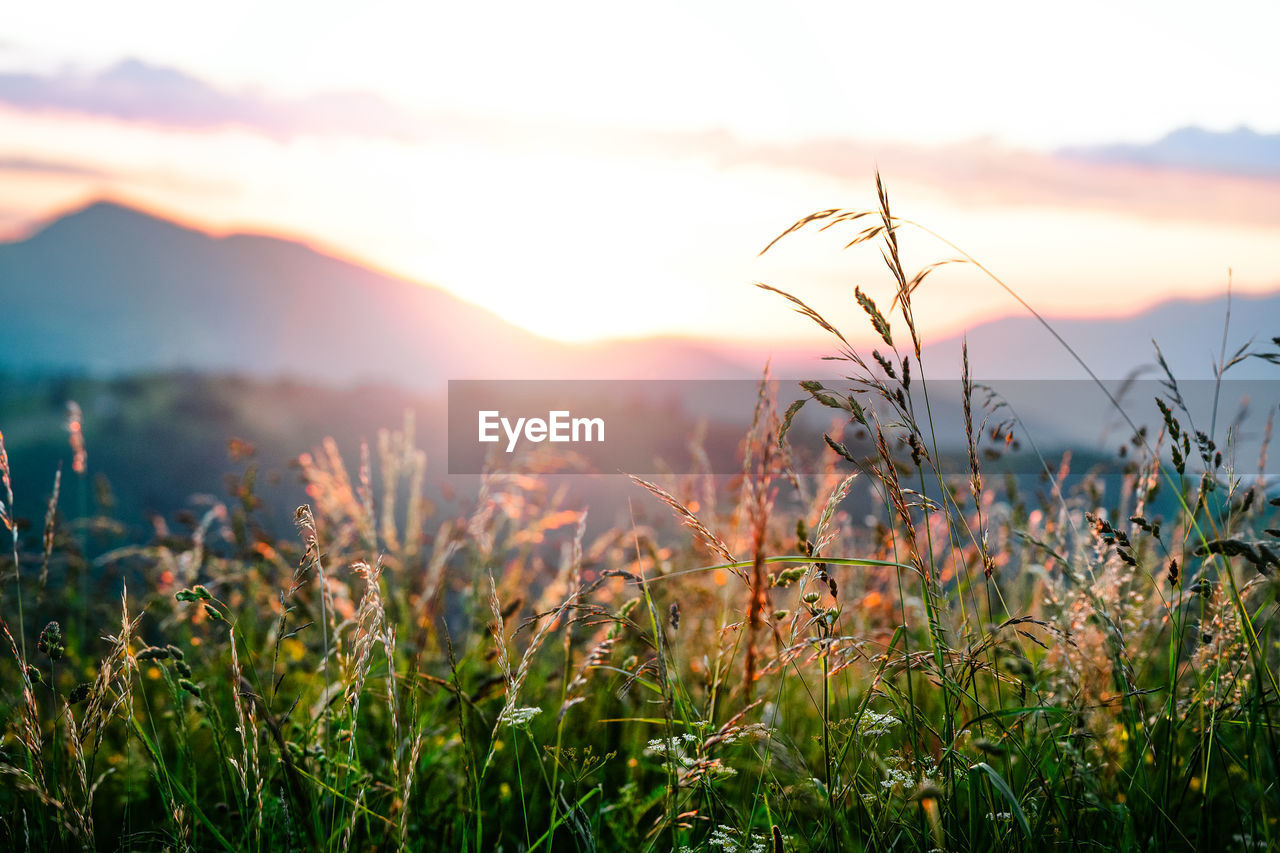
(972, 667)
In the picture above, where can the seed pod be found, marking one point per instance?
(50, 642)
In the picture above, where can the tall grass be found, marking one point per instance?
(973, 667)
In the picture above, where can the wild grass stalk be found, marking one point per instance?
(11, 523)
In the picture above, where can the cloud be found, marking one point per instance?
(133, 90)
(56, 168)
(97, 177)
(985, 173)
(1190, 175)
(976, 173)
(1238, 152)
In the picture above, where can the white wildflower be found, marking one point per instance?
(896, 774)
(733, 841)
(671, 749)
(518, 716)
(874, 725)
(751, 731)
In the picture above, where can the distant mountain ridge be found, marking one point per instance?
(1189, 333)
(1242, 151)
(110, 290)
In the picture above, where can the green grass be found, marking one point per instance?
(975, 668)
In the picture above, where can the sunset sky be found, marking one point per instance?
(593, 170)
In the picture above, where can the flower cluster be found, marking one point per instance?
(518, 716)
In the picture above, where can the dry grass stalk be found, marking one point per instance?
(390, 454)
(597, 657)
(11, 523)
(50, 516)
(415, 522)
(704, 535)
(415, 752)
(364, 491)
(759, 511)
(29, 726)
(246, 724)
(372, 628)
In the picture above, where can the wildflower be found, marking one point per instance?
(673, 750)
(733, 841)
(666, 746)
(712, 768)
(873, 725)
(518, 716)
(751, 731)
(897, 773)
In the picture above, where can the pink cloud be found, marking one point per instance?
(133, 90)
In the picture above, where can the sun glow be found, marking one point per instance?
(582, 189)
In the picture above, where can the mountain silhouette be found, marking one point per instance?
(1242, 151)
(1189, 333)
(109, 290)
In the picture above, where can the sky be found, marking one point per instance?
(593, 170)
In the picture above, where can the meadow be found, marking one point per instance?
(747, 665)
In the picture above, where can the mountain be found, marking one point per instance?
(1236, 152)
(110, 290)
(128, 301)
(1188, 331)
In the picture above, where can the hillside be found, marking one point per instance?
(111, 290)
